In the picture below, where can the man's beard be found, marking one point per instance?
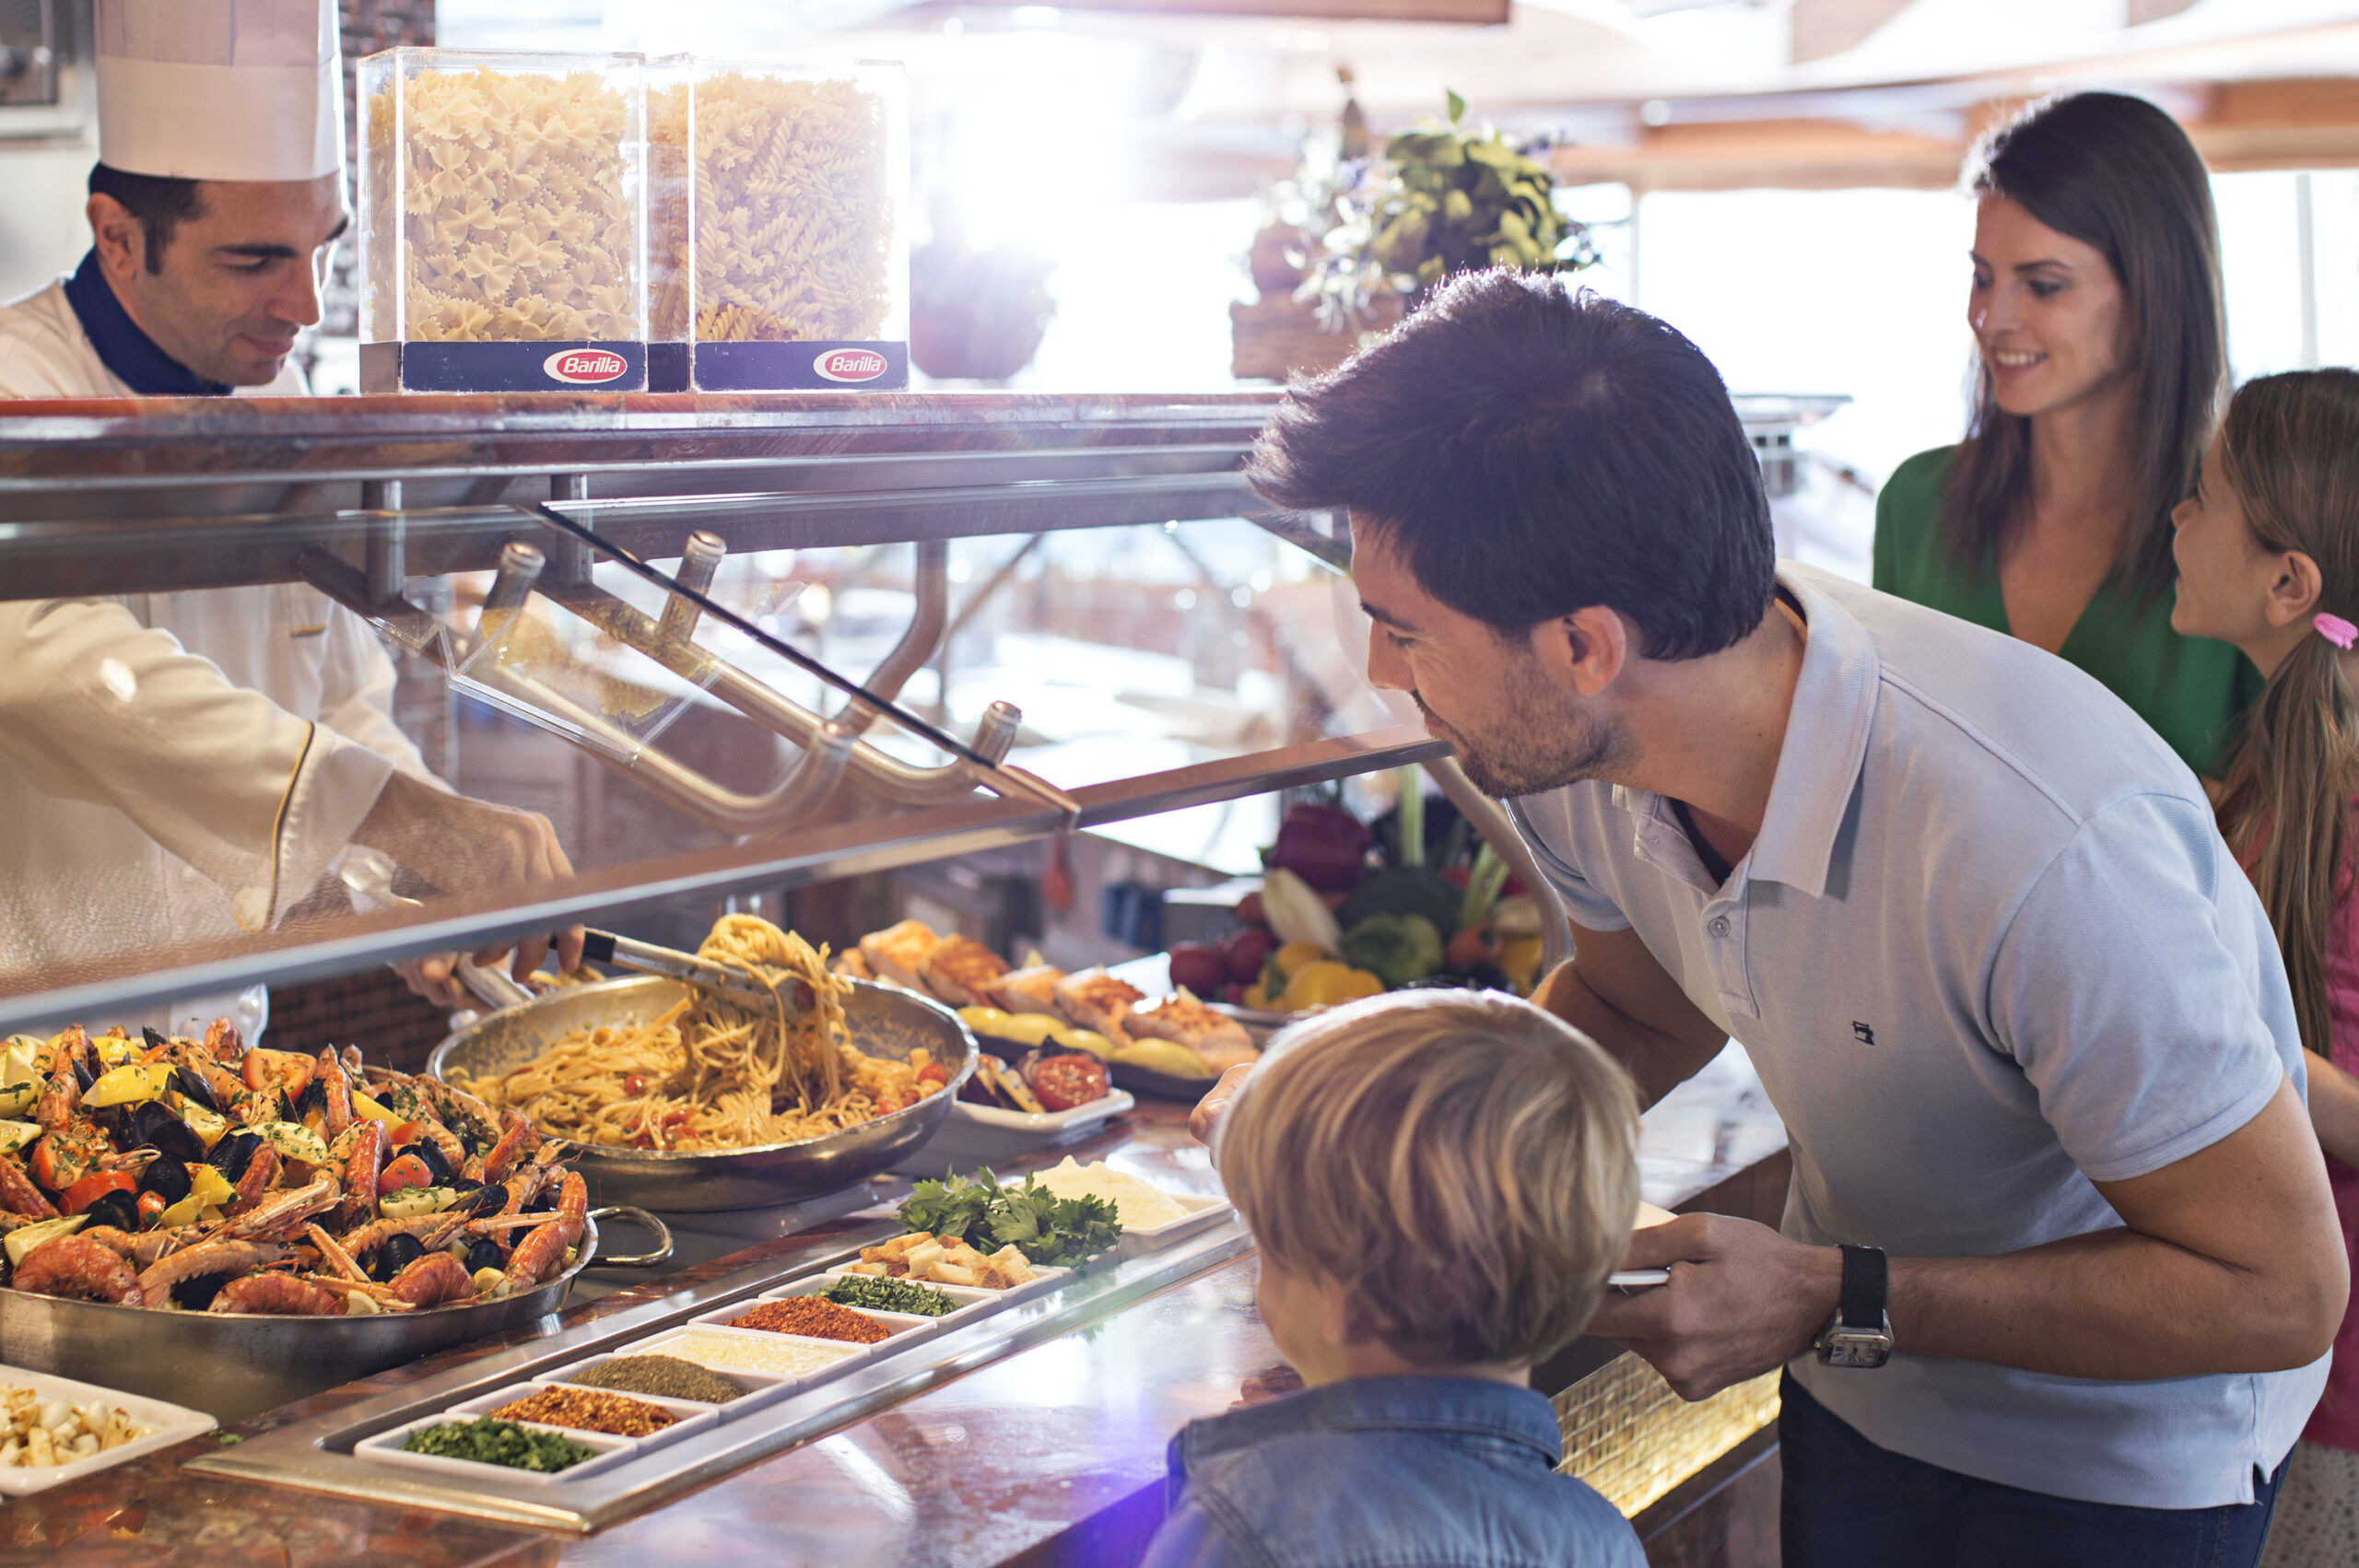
(1541, 754)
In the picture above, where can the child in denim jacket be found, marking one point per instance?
(1439, 1182)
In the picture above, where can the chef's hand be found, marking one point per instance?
(1742, 1300)
(1206, 1115)
(435, 976)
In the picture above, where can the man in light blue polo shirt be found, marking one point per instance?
(2059, 1267)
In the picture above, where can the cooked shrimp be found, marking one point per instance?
(205, 1257)
(80, 1269)
(377, 1233)
(222, 1041)
(362, 1159)
(461, 1112)
(434, 1280)
(280, 1215)
(517, 1139)
(278, 1295)
(337, 1087)
(262, 1169)
(60, 1098)
(18, 1193)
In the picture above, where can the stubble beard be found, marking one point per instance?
(1545, 752)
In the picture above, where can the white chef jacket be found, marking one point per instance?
(175, 766)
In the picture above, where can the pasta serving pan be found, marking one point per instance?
(881, 1021)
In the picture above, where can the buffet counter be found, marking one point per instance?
(1053, 1452)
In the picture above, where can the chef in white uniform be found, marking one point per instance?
(179, 767)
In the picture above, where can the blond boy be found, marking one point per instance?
(1439, 1182)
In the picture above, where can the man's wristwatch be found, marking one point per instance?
(1861, 1333)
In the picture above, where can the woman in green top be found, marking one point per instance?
(2096, 310)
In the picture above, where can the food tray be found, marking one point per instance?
(1201, 1211)
(902, 1327)
(173, 1423)
(982, 1135)
(694, 1414)
(972, 1304)
(385, 1449)
(1043, 1277)
(666, 1343)
(761, 1389)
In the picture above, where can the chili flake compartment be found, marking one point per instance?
(907, 1327)
(688, 1416)
(385, 1449)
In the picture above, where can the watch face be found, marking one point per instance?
(1864, 1348)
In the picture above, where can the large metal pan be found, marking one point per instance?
(232, 1366)
(881, 1021)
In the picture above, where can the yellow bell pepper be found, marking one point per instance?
(1327, 984)
(1295, 957)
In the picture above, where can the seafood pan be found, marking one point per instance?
(232, 1366)
(882, 1022)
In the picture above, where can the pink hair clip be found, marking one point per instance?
(2335, 629)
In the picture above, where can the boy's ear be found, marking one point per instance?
(2294, 589)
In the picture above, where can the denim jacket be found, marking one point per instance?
(1404, 1472)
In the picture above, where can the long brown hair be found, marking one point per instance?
(2119, 174)
(2290, 453)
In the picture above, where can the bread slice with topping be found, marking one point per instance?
(1096, 1000)
(1218, 1040)
(962, 971)
(899, 953)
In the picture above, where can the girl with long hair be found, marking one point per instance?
(2267, 553)
(2100, 362)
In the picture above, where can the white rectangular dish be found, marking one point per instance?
(760, 1389)
(899, 1326)
(385, 1449)
(971, 1305)
(690, 1415)
(984, 1135)
(1201, 1211)
(695, 1341)
(173, 1423)
(1043, 1277)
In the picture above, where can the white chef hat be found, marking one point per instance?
(220, 89)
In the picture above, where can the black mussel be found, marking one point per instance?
(166, 1177)
(434, 1159)
(483, 1201)
(146, 1118)
(236, 1150)
(193, 1085)
(118, 1209)
(196, 1295)
(395, 1256)
(86, 1069)
(173, 1141)
(485, 1253)
(315, 1097)
(116, 1122)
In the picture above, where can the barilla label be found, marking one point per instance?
(850, 365)
(503, 367)
(787, 367)
(586, 367)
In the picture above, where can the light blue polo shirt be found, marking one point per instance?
(1987, 948)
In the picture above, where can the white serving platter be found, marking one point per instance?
(692, 1415)
(385, 1449)
(173, 1423)
(981, 1135)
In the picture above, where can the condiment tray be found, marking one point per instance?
(694, 1414)
(760, 1388)
(385, 1449)
(1201, 1211)
(173, 1423)
(843, 1359)
(972, 1304)
(900, 1327)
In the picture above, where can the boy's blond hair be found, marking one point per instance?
(1463, 1164)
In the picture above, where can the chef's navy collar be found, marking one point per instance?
(134, 356)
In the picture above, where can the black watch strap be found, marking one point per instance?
(1865, 1276)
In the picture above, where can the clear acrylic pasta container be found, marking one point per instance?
(669, 83)
(503, 215)
(799, 233)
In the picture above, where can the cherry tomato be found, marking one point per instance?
(407, 1171)
(634, 1085)
(150, 1205)
(1064, 1082)
(933, 1072)
(402, 1134)
(90, 1189)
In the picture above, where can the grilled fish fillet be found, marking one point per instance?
(1219, 1040)
(1095, 1000)
(852, 965)
(1028, 990)
(899, 953)
(962, 971)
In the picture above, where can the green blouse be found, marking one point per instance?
(2188, 688)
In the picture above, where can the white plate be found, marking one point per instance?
(760, 1388)
(1638, 1279)
(1202, 1211)
(385, 1449)
(907, 1325)
(982, 1135)
(694, 1415)
(1043, 1277)
(899, 1326)
(173, 1423)
(839, 1358)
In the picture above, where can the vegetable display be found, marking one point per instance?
(1046, 1229)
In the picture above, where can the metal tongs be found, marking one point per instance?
(734, 981)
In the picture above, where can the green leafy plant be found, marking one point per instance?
(987, 1216)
